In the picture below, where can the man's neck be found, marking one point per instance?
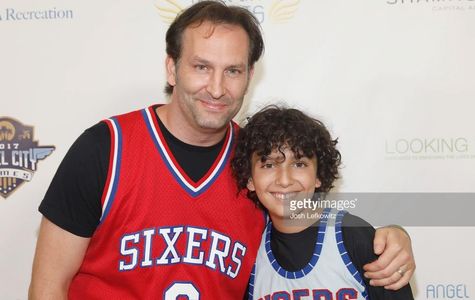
(179, 127)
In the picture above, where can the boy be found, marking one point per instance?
(283, 155)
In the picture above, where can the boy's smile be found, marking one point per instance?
(279, 178)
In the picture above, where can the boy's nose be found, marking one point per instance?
(284, 177)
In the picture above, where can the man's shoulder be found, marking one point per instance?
(100, 133)
(131, 115)
(350, 220)
(97, 132)
(357, 231)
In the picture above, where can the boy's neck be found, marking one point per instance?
(296, 224)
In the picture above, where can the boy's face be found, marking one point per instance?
(282, 178)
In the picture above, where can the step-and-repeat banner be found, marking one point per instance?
(394, 80)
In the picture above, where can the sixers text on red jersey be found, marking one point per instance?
(222, 254)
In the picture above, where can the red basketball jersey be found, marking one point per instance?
(163, 236)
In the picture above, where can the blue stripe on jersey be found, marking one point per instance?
(344, 254)
(252, 279)
(197, 191)
(117, 157)
(227, 154)
(316, 252)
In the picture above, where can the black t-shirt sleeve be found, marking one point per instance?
(73, 199)
(358, 236)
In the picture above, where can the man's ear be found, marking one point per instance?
(170, 66)
(251, 73)
(250, 185)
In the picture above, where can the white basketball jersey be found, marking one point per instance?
(330, 274)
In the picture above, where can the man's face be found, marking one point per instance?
(212, 74)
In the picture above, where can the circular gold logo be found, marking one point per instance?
(7, 131)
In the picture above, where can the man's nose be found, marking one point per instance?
(216, 85)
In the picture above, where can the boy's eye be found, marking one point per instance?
(267, 165)
(300, 164)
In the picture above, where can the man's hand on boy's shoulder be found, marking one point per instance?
(395, 265)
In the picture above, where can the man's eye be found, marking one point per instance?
(234, 72)
(267, 165)
(201, 67)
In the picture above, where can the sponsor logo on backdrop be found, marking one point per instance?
(19, 155)
(275, 11)
(11, 14)
(436, 5)
(429, 148)
(447, 291)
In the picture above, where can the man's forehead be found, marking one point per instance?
(207, 28)
(202, 59)
(216, 44)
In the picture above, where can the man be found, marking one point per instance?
(144, 204)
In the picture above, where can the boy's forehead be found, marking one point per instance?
(280, 152)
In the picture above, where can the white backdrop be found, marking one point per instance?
(387, 76)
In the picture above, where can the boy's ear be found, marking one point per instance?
(318, 183)
(250, 185)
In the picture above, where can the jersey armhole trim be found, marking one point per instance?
(252, 280)
(110, 188)
(344, 254)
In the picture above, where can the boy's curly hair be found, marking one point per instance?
(276, 127)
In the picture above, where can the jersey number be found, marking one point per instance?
(182, 290)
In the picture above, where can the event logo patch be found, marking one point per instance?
(19, 155)
(277, 11)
